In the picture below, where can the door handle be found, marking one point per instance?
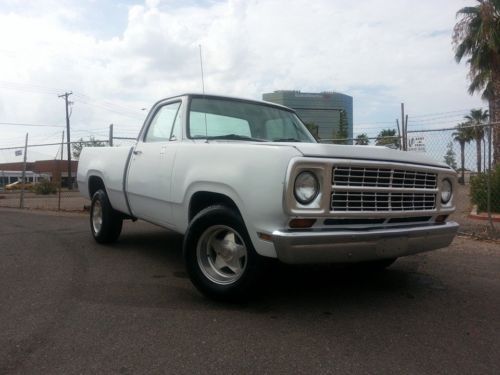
(137, 152)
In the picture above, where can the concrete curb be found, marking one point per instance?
(483, 215)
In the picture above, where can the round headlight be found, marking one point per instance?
(306, 187)
(446, 191)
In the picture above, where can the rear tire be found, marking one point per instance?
(220, 258)
(105, 222)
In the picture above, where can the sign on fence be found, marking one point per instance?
(416, 143)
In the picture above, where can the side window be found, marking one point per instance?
(161, 127)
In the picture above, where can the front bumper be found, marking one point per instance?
(356, 246)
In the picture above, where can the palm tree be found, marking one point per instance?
(477, 37)
(477, 119)
(463, 135)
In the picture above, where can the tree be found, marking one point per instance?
(362, 140)
(450, 156)
(476, 120)
(476, 36)
(341, 134)
(463, 135)
(80, 144)
(387, 137)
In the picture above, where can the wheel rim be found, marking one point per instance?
(222, 254)
(97, 216)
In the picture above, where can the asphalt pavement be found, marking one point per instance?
(71, 306)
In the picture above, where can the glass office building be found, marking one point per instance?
(324, 109)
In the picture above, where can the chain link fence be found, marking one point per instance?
(467, 149)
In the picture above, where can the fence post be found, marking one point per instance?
(60, 174)
(111, 135)
(23, 177)
(488, 181)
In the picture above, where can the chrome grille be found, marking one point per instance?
(383, 177)
(371, 189)
(381, 201)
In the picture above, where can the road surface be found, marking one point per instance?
(71, 306)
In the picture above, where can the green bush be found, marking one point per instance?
(479, 190)
(45, 187)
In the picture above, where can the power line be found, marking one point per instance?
(443, 113)
(27, 124)
(109, 104)
(39, 89)
(49, 144)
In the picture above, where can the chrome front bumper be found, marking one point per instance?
(356, 246)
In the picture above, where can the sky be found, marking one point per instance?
(119, 57)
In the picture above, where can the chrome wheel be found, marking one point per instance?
(97, 216)
(222, 254)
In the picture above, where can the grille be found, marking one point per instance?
(383, 177)
(381, 201)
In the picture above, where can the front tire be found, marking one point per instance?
(220, 258)
(105, 222)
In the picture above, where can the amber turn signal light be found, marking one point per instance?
(441, 218)
(265, 236)
(301, 223)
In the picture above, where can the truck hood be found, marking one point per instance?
(364, 152)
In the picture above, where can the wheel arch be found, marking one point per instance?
(203, 199)
(95, 183)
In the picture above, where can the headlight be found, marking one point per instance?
(306, 187)
(446, 191)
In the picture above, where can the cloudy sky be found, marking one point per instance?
(119, 57)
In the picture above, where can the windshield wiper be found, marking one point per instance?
(287, 140)
(232, 137)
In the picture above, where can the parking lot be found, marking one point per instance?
(68, 305)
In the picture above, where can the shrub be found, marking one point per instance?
(45, 187)
(479, 190)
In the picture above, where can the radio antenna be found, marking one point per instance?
(203, 89)
(202, 78)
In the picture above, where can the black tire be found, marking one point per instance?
(110, 226)
(213, 246)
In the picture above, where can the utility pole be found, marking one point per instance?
(68, 137)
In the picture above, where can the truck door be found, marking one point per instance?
(150, 170)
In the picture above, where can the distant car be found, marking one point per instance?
(18, 185)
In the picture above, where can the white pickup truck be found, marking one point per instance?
(244, 180)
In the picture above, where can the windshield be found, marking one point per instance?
(216, 118)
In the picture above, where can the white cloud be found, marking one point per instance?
(380, 52)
